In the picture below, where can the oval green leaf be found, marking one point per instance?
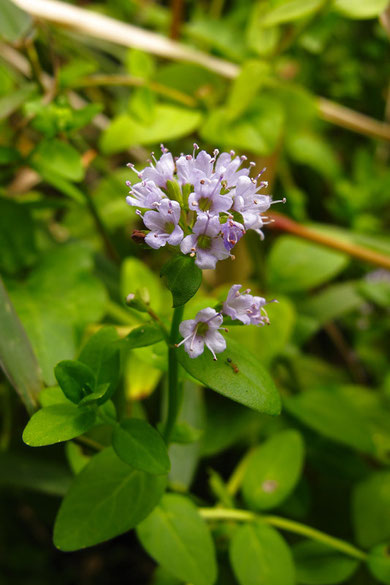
(60, 158)
(379, 563)
(360, 8)
(177, 537)
(370, 506)
(102, 354)
(317, 564)
(260, 556)
(76, 379)
(142, 336)
(290, 10)
(169, 122)
(106, 499)
(236, 375)
(333, 415)
(138, 444)
(57, 423)
(273, 470)
(296, 265)
(182, 277)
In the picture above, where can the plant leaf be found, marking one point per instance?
(182, 277)
(102, 354)
(177, 537)
(169, 122)
(379, 563)
(273, 470)
(317, 564)
(107, 498)
(75, 379)
(17, 358)
(235, 374)
(142, 336)
(296, 265)
(260, 556)
(332, 414)
(360, 8)
(56, 423)
(137, 443)
(370, 500)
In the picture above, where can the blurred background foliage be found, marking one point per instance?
(299, 86)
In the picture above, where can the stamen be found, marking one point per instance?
(284, 200)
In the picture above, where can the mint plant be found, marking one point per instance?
(199, 207)
(213, 406)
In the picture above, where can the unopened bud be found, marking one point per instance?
(135, 302)
(138, 236)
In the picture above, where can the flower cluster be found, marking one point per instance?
(205, 328)
(202, 203)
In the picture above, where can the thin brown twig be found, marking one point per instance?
(177, 11)
(351, 120)
(110, 29)
(285, 224)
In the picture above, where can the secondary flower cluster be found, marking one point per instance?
(205, 328)
(201, 202)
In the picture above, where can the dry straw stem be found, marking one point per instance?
(109, 29)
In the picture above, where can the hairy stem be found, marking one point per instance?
(285, 524)
(173, 371)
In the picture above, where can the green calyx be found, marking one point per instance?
(202, 329)
(204, 242)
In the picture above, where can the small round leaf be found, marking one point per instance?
(273, 470)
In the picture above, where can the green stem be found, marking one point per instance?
(235, 480)
(173, 371)
(91, 443)
(285, 524)
(331, 541)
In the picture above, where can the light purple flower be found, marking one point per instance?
(206, 242)
(232, 232)
(162, 171)
(191, 168)
(245, 307)
(163, 224)
(248, 202)
(207, 197)
(227, 166)
(201, 331)
(145, 194)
